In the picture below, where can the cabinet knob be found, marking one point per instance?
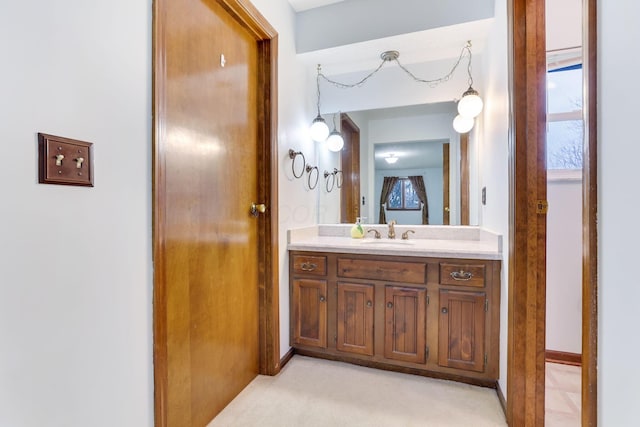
(322, 298)
(444, 310)
(389, 304)
(369, 303)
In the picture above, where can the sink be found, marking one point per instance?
(387, 242)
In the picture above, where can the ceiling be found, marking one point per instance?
(439, 42)
(302, 5)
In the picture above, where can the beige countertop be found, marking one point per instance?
(431, 241)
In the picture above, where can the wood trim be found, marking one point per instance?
(269, 279)
(464, 179)
(247, 14)
(563, 358)
(446, 185)
(503, 401)
(160, 354)
(350, 165)
(287, 357)
(527, 229)
(589, 221)
(269, 340)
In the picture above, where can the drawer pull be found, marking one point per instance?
(389, 304)
(369, 304)
(308, 266)
(461, 275)
(444, 310)
(322, 299)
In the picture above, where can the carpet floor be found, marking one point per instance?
(312, 392)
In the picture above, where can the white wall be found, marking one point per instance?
(564, 264)
(618, 206)
(76, 285)
(493, 153)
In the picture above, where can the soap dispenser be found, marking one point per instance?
(357, 232)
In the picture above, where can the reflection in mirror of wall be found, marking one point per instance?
(416, 136)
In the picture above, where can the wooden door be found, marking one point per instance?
(461, 342)
(350, 164)
(309, 317)
(209, 144)
(355, 318)
(405, 324)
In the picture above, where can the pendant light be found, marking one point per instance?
(470, 105)
(319, 131)
(463, 124)
(335, 142)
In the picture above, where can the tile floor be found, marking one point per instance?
(562, 402)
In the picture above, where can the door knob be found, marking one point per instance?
(257, 208)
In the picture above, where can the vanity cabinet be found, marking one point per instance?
(354, 329)
(405, 324)
(430, 316)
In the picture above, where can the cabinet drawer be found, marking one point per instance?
(305, 264)
(462, 274)
(393, 271)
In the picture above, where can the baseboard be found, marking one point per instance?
(503, 401)
(563, 358)
(286, 358)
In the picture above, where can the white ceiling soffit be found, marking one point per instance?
(418, 47)
(302, 5)
(353, 21)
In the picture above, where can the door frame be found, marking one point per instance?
(268, 276)
(350, 165)
(525, 403)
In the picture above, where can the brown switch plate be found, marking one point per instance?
(64, 161)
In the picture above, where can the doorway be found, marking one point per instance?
(527, 252)
(350, 176)
(214, 186)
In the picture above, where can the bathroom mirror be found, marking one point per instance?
(390, 110)
(423, 143)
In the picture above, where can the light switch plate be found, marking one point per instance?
(64, 161)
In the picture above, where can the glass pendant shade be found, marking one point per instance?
(463, 124)
(319, 130)
(335, 141)
(470, 105)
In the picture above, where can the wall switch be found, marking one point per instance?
(64, 161)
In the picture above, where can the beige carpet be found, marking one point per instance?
(313, 392)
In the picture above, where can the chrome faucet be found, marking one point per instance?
(392, 231)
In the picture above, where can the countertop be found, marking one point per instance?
(431, 241)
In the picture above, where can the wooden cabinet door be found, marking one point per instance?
(355, 318)
(405, 324)
(461, 331)
(309, 317)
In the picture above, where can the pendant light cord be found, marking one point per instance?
(466, 50)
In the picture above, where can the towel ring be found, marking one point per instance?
(340, 180)
(331, 180)
(310, 170)
(292, 156)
